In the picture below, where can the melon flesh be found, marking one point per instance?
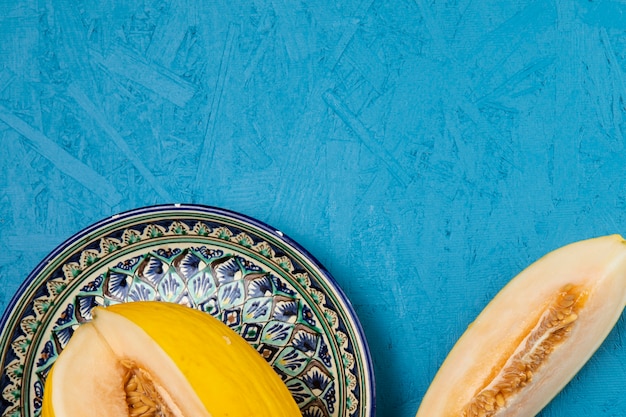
(88, 358)
(535, 335)
(162, 360)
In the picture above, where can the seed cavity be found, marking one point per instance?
(552, 328)
(142, 396)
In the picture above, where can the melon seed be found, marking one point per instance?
(141, 394)
(550, 330)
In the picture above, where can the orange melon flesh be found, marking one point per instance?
(535, 335)
(191, 365)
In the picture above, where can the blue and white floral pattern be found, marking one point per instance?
(255, 280)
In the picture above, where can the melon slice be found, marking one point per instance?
(162, 360)
(535, 335)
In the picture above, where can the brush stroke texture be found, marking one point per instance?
(424, 151)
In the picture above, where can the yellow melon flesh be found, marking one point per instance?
(162, 360)
(535, 335)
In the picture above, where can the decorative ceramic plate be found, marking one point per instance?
(256, 280)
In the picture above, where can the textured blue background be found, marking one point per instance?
(424, 151)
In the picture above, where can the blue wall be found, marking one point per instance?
(424, 151)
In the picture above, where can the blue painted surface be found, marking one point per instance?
(424, 152)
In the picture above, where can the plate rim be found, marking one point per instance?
(20, 292)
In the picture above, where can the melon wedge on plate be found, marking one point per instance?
(162, 360)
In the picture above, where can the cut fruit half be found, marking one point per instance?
(535, 335)
(163, 360)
